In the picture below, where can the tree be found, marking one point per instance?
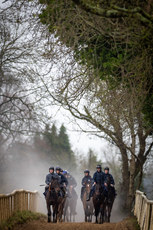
(110, 80)
(55, 147)
(114, 38)
(21, 97)
(64, 139)
(90, 162)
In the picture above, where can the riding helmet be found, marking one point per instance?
(51, 168)
(106, 168)
(64, 172)
(58, 168)
(98, 167)
(86, 171)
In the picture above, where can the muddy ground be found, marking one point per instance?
(126, 224)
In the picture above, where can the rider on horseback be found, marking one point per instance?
(99, 178)
(49, 178)
(109, 177)
(71, 180)
(62, 180)
(87, 179)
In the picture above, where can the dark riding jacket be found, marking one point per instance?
(99, 177)
(87, 180)
(71, 181)
(108, 175)
(49, 178)
(62, 179)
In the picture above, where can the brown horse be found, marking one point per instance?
(56, 200)
(99, 202)
(70, 205)
(109, 200)
(87, 205)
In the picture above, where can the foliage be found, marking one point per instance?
(55, 146)
(20, 218)
(89, 162)
(114, 38)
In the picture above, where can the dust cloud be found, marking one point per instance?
(28, 171)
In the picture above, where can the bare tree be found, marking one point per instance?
(21, 94)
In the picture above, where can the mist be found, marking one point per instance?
(25, 168)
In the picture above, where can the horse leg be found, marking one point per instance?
(70, 215)
(103, 209)
(49, 212)
(109, 211)
(85, 218)
(73, 218)
(54, 214)
(96, 214)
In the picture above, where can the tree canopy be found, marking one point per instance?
(114, 38)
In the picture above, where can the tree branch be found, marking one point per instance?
(116, 12)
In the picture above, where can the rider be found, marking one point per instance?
(98, 177)
(49, 179)
(71, 184)
(71, 180)
(62, 180)
(87, 179)
(112, 183)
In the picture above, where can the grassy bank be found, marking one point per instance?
(131, 223)
(20, 218)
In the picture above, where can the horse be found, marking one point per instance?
(56, 200)
(109, 200)
(99, 202)
(70, 205)
(87, 205)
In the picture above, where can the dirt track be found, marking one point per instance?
(127, 224)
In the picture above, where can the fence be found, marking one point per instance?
(17, 201)
(143, 211)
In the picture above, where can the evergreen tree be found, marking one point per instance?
(64, 139)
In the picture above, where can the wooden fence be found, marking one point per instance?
(17, 201)
(143, 210)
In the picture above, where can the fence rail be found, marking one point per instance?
(18, 200)
(143, 211)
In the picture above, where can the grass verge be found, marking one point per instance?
(20, 218)
(131, 223)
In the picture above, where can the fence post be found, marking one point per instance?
(17, 201)
(143, 210)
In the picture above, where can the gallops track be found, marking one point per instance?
(43, 225)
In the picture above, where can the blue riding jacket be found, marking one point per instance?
(108, 175)
(49, 178)
(62, 179)
(99, 177)
(87, 180)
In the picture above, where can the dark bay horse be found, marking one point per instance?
(99, 202)
(70, 205)
(56, 200)
(87, 205)
(109, 200)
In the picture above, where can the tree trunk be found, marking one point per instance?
(131, 191)
(125, 175)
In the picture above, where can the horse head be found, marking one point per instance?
(88, 187)
(108, 181)
(98, 189)
(55, 185)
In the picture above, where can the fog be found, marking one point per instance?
(28, 171)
